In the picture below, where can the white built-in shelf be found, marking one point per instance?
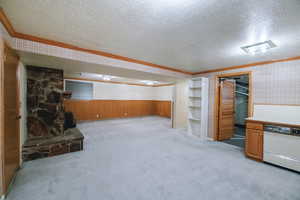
(194, 119)
(193, 106)
(194, 96)
(198, 104)
(195, 88)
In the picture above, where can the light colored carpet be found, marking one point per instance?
(144, 159)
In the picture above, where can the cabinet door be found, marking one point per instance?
(254, 144)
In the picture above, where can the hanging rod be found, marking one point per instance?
(242, 86)
(241, 93)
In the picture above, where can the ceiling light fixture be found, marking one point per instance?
(91, 75)
(147, 82)
(260, 47)
(107, 78)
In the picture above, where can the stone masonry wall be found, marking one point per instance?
(44, 102)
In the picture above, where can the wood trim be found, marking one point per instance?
(10, 29)
(256, 126)
(116, 82)
(274, 123)
(216, 109)
(95, 52)
(99, 109)
(271, 104)
(5, 21)
(217, 98)
(162, 85)
(7, 50)
(19, 110)
(247, 65)
(1, 117)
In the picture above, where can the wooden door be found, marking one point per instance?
(11, 158)
(226, 109)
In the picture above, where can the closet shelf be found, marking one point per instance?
(194, 119)
(194, 97)
(191, 106)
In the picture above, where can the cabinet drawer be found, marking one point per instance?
(257, 126)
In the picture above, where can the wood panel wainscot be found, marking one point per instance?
(254, 141)
(109, 109)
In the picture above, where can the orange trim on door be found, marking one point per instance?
(217, 98)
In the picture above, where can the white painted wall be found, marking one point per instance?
(122, 92)
(131, 92)
(181, 104)
(23, 109)
(277, 113)
(112, 91)
(164, 93)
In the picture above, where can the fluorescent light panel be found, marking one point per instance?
(109, 77)
(260, 47)
(101, 76)
(147, 82)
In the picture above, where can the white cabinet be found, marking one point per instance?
(198, 107)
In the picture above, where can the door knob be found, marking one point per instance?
(18, 117)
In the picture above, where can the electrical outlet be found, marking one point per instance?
(125, 114)
(97, 115)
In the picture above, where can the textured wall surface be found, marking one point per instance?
(276, 83)
(44, 102)
(45, 118)
(181, 104)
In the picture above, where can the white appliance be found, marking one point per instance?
(282, 146)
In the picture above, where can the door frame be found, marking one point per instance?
(217, 98)
(3, 46)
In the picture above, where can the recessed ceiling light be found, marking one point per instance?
(107, 78)
(87, 74)
(260, 47)
(147, 82)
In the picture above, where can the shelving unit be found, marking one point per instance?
(198, 107)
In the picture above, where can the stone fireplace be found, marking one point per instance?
(45, 119)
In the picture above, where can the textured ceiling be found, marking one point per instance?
(192, 35)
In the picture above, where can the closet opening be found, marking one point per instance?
(233, 106)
